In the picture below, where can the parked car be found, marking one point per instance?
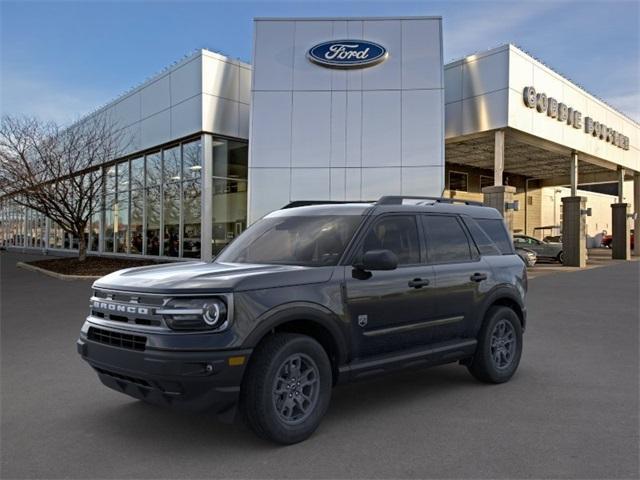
(544, 250)
(553, 239)
(307, 298)
(607, 240)
(529, 257)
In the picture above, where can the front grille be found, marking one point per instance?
(135, 309)
(117, 339)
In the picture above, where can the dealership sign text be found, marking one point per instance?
(570, 116)
(347, 54)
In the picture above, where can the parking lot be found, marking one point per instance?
(571, 411)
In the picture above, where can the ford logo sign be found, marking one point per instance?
(347, 54)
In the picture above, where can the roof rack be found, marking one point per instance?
(398, 199)
(306, 203)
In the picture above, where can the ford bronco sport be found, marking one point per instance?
(308, 297)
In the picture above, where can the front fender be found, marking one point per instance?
(312, 312)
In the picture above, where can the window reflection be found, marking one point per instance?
(135, 225)
(192, 219)
(172, 220)
(229, 192)
(108, 222)
(153, 221)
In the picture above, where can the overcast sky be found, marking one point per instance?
(60, 60)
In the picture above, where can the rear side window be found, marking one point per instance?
(484, 243)
(446, 240)
(495, 229)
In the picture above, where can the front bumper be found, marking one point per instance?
(192, 380)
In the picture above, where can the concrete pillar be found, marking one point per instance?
(620, 249)
(497, 197)
(498, 158)
(636, 210)
(573, 168)
(573, 231)
(620, 185)
(206, 199)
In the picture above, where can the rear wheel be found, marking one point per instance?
(287, 388)
(561, 257)
(499, 346)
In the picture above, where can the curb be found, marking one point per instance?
(59, 276)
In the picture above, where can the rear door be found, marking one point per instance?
(462, 276)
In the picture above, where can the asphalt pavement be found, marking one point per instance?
(571, 411)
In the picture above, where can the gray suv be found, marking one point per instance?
(308, 297)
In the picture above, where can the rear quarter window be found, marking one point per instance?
(497, 232)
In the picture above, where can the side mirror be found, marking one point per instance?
(378, 260)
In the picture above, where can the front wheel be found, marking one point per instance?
(499, 346)
(561, 257)
(287, 388)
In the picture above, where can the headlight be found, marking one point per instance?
(195, 314)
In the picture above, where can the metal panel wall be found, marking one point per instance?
(204, 92)
(321, 133)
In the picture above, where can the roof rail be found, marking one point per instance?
(397, 200)
(306, 203)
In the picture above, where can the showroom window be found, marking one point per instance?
(121, 209)
(191, 198)
(171, 188)
(230, 162)
(458, 181)
(486, 181)
(153, 175)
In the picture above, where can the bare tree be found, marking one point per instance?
(55, 170)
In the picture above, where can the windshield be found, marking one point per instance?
(312, 241)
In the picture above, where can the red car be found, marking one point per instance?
(607, 240)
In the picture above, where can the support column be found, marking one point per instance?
(498, 197)
(206, 199)
(574, 173)
(620, 249)
(636, 210)
(620, 185)
(498, 158)
(573, 232)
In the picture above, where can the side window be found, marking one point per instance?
(482, 240)
(446, 240)
(398, 234)
(494, 227)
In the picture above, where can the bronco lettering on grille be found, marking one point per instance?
(118, 307)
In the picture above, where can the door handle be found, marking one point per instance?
(478, 277)
(418, 283)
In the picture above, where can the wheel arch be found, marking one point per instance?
(507, 298)
(313, 320)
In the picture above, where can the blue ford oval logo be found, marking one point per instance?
(347, 54)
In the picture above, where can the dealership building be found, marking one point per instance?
(353, 109)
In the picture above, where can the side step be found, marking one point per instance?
(435, 354)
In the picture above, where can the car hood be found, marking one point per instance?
(194, 277)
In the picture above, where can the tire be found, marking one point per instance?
(275, 409)
(560, 257)
(488, 364)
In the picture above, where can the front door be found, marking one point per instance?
(389, 309)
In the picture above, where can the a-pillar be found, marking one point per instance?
(636, 210)
(574, 226)
(498, 197)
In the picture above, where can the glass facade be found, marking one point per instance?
(229, 192)
(151, 205)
